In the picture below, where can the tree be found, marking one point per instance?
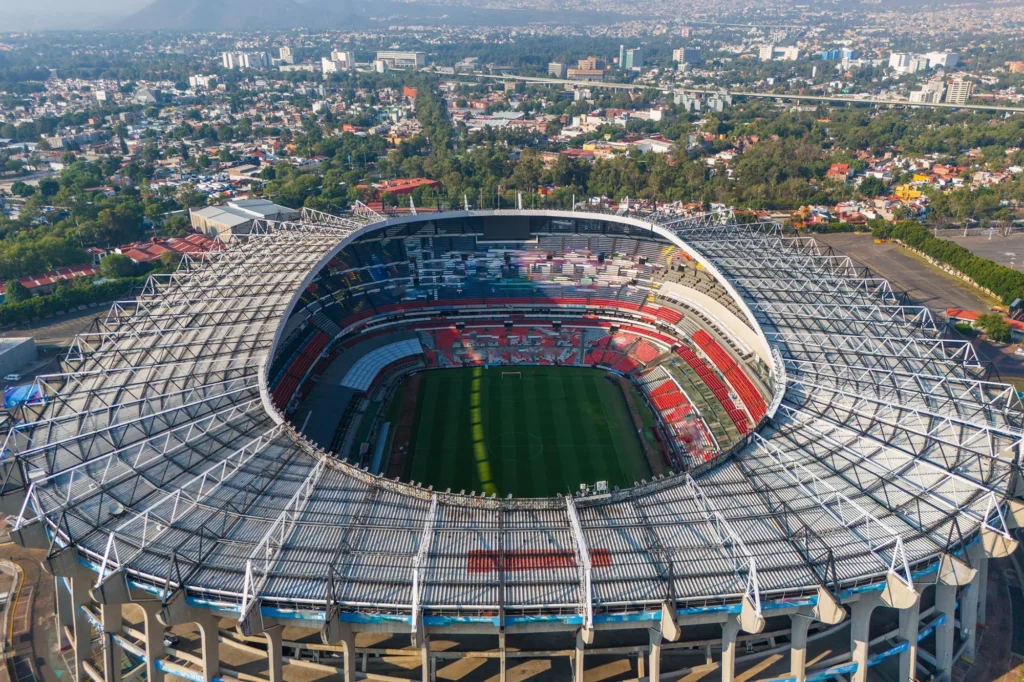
(996, 328)
(49, 186)
(871, 187)
(20, 189)
(117, 266)
(16, 292)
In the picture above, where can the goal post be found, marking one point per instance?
(516, 375)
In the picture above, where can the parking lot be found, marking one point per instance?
(924, 283)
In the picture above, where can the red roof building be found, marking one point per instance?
(400, 186)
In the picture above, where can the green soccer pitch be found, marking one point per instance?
(534, 435)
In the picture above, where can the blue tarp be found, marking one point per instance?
(27, 394)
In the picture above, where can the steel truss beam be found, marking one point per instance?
(888, 476)
(884, 543)
(730, 544)
(986, 398)
(583, 563)
(419, 565)
(145, 527)
(268, 550)
(118, 466)
(983, 445)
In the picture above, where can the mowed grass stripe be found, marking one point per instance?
(419, 457)
(563, 468)
(530, 472)
(604, 429)
(545, 432)
(623, 433)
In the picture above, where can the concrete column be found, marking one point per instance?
(730, 629)
(655, 664)
(275, 662)
(110, 618)
(945, 603)
(502, 659)
(577, 663)
(65, 610)
(910, 620)
(969, 605)
(425, 653)
(209, 631)
(982, 565)
(348, 640)
(82, 631)
(336, 632)
(154, 640)
(860, 634)
(799, 623)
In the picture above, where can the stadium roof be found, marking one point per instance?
(160, 456)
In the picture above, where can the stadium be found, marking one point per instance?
(665, 447)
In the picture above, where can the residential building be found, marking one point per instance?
(202, 82)
(346, 58)
(904, 62)
(556, 69)
(687, 55)
(958, 91)
(930, 93)
(631, 59)
(245, 60)
(900, 61)
(591, 64)
(285, 56)
(399, 59)
(329, 66)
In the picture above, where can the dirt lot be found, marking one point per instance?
(926, 284)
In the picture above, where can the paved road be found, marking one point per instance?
(36, 658)
(59, 330)
(841, 99)
(926, 284)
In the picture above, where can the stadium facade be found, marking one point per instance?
(166, 466)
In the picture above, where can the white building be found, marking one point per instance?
(785, 52)
(930, 93)
(399, 59)
(905, 62)
(204, 82)
(942, 59)
(346, 59)
(245, 60)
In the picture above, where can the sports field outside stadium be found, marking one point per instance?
(528, 431)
